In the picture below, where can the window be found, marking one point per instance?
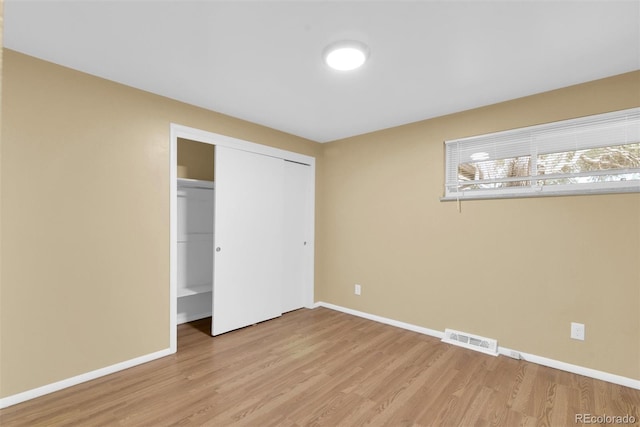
(593, 154)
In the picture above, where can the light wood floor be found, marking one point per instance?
(321, 367)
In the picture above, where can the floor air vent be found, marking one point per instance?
(473, 342)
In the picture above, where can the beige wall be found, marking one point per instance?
(85, 223)
(195, 160)
(85, 219)
(517, 270)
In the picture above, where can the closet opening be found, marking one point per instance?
(195, 229)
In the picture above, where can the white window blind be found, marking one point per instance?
(593, 154)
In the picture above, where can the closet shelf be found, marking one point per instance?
(195, 183)
(194, 290)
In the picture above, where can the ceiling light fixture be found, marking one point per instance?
(346, 55)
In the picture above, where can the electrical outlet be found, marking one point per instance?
(577, 331)
(357, 290)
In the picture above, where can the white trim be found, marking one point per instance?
(574, 369)
(199, 135)
(543, 191)
(311, 234)
(184, 317)
(181, 131)
(173, 239)
(78, 379)
(540, 360)
(385, 320)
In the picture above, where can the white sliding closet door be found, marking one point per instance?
(248, 254)
(297, 242)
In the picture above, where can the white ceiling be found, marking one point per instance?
(261, 61)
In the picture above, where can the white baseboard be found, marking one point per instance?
(574, 369)
(540, 360)
(50, 388)
(186, 317)
(580, 370)
(380, 319)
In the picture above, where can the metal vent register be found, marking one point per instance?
(470, 341)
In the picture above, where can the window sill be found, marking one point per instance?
(538, 193)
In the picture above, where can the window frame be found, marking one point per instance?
(527, 142)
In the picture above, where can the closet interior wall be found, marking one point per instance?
(195, 170)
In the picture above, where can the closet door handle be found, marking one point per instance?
(218, 249)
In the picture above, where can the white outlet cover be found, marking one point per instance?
(577, 331)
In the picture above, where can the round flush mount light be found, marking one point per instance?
(346, 55)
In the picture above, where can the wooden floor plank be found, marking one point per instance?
(324, 368)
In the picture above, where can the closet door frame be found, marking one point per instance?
(185, 132)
